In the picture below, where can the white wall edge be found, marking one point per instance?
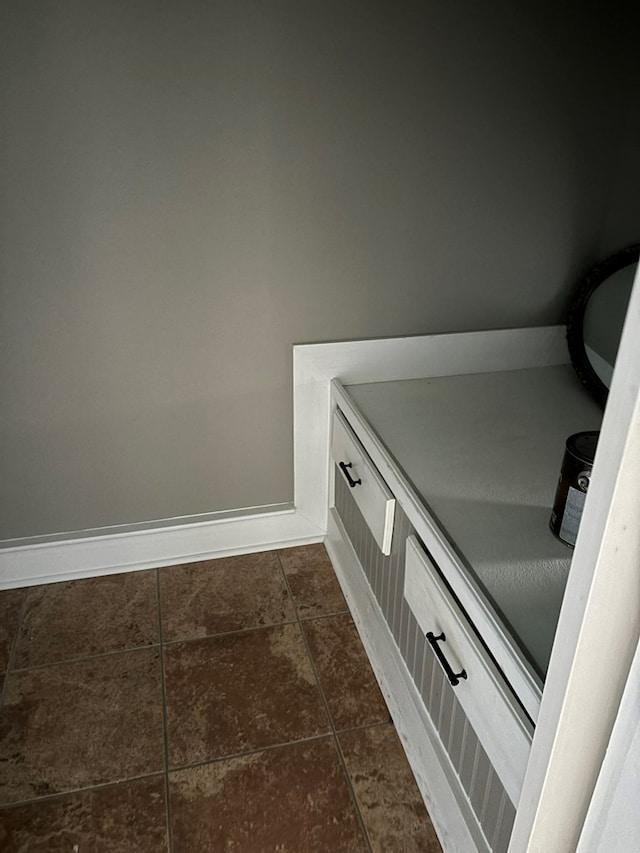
(315, 365)
(89, 556)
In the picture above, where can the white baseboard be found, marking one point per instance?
(451, 814)
(165, 544)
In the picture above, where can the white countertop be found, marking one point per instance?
(484, 453)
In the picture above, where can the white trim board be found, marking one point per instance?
(110, 553)
(144, 526)
(315, 365)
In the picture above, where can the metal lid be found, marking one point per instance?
(583, 445)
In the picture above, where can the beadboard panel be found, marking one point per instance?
(489, 801)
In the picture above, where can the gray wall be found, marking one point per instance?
(189, 187)
(622, 221)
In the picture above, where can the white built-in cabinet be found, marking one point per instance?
(542, 709)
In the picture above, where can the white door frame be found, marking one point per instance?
(598, 627)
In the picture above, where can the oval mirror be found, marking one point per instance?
(596, 318)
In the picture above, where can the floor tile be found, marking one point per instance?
(10, 606)
(345, 674)
(213, 596)
(88, 617)
(294, 799)
(388, 797)
(313, 583)
(238, 692)
(115, 819)
(77, 724)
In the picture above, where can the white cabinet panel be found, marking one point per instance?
(371, 493)
(490, 706)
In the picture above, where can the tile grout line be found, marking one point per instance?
(230, 756)
(98, 656)
(187, 640)
(347, 777)
(14, 647)
(248, 752)
(81, 659)
(165, 731)
(263, 627)
(352, 792)
(11, 670)
(45, 798)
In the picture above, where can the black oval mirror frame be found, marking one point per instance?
(577, 313)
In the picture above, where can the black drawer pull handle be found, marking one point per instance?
(344, 466)
(454, 677)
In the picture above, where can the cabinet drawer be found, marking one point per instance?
(491, 708)
(370, 492)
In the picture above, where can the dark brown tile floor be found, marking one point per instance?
(226, 705)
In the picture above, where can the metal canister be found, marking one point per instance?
(575, 476)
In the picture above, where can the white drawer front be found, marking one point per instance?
(371, 493)
(496, 717)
